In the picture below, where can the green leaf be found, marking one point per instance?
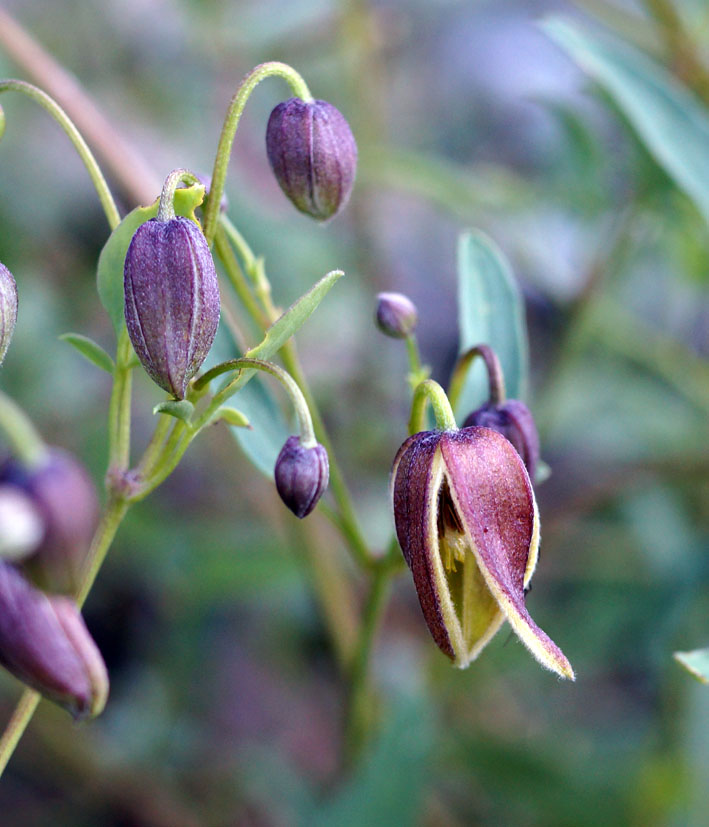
(179, 408)
(490, 311)
(109, 277)
(284, 327)
(671, 122)
(90, 350)
(232, 417)
(696, 663)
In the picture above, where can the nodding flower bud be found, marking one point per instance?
(45, 643)
(64, 496)
(8, 309)
(514, 421)
(313, 155)
(396, 315)
(171, 300)
(301, 475)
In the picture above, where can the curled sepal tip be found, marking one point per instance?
(45, 643)
(468, 526)
(302, 474)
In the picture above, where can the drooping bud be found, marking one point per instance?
(64, 495)
(171, 300)
(21, 524)
(313, 155)
(45, 643)
(513, 420)
(8, 309)
(301, 475)
(396, 315)
(467, 523)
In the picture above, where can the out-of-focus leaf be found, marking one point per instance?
(671, 122)
(90, 350)
(179, 408)
(696, 663)
(390, 784)
(109, 277)
(490, 311)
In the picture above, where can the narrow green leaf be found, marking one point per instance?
(490, 311)
(670, 121)
(232, 417)
(89, 350)
(284, 327)
(109, 277)
(179, 408)
(696, 663)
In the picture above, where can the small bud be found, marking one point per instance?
(64, 496)
(171, 300)
(45, 643)
(21, 524)
(313, 155)
(514, 421)
(8, 309)
(301, 475)
(396, 315)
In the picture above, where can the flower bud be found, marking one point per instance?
(45, 643)
(514, 421)
(171, 300)
(64, 495)
(301, 475)
(396, 315)
(8, 309)
(21, 524)
(313, 155)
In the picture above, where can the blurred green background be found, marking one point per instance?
(226, 703)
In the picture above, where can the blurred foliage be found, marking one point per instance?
(226, 703)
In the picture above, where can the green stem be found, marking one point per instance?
(430, 391)
(231, 123)
(236, 277)
(496, 377)
(166, 207)
(60, 116)
(26, 443)
(417, 372)
(119, 408)
(17, 725)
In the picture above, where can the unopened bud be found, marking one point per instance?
(45, 643)
(21, 524)
(63, 494)
(301, 475)
(8, 309)
(396, 315)
(313, 155)
(171, 300)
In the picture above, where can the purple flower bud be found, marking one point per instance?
(171, 300)
(301, 475)
(396, 315)
(8, 309)
(467, 523)
(45, 643)
(313, 155)
(64, 496)
(514, 421)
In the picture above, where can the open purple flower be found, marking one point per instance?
(467, 523)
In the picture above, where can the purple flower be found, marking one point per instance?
(396, 315)
(467, 523)
(513, 420)
(171, 300)
(313, 155)
(301, 475)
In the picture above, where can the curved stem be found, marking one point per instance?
(23, 437)
(496, 377)
(60, 116)
(305, 423)
(231, 123)
(430, 391)
(166, 207)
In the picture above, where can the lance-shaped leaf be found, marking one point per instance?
(468, 526)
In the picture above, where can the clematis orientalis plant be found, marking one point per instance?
(468, 525)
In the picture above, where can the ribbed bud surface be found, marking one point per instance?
(301, 475)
